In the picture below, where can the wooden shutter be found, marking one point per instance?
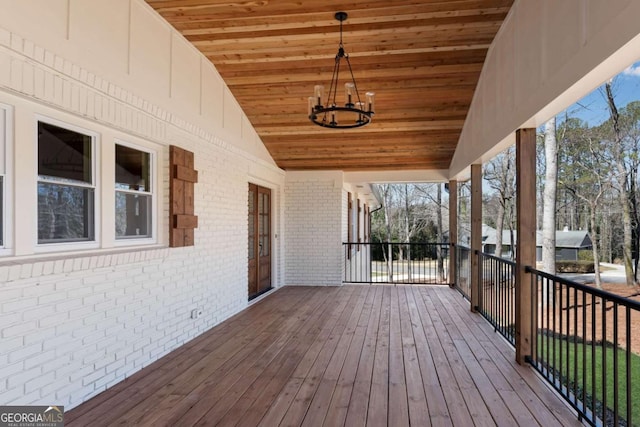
(182, 178)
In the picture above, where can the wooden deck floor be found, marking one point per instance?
(352, 355)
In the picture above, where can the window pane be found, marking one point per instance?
(264, 245)
(132, 169)
(252, 207)
(133, 218)
(252, 248)
(63, 153)
(65, 213)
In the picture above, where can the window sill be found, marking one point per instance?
(142, 242)
(90, 258)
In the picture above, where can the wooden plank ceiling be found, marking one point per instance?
(421, 58)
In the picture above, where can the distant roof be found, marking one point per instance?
(569, 239)
(564, 239)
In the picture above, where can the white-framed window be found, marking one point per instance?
(134, 187)
(66, 184)
(5, 174)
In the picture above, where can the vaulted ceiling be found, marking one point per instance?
(421, 58)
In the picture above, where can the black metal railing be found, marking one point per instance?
(497, 294)
(462, 280)
(397, 263)
(585, 347)
(584, 343)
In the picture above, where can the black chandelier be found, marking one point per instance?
(355, 113)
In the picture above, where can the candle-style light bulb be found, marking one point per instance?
(312, 104)
(319, 91)
(360, 106)
(334, 120)
(371, 101)
(349, 89)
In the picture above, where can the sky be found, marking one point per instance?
(593, 107)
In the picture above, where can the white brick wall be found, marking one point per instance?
(72, 326)
(313, 215)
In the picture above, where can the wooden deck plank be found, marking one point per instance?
(132, 392)
(280, 406)
(478, 409)
(398, 404)
(198, 391)
(337, 410)
(351, 355)
(274, 412)
(416, 397)
(322, 398)
(255, 401)
(359, 402)
(297, 411)
(499, 411)
(234, 384)
(147, 406)
(438, 411)
(379, 394)
(456, 404)
(519, 411)
(533, 393)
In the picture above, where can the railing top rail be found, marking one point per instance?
(457, 245)
(588, 289)
(500, 259)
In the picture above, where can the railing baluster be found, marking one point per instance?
(540, 318)
(396, 263)
(567, 334)
(550, 287)
(604, 360)
(575, 345)
(615, 363)
(496, 302)
(593, 355)
(559, 338)
(580, 370)
(584, 348)
(628, 357)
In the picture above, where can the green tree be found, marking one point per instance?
(617, 132)
(585, 174)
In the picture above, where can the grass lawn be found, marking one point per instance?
(583, 355)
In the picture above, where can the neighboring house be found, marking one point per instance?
(568, 243)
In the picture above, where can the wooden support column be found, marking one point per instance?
(453, 231)
(476, 233)
(526, 240)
